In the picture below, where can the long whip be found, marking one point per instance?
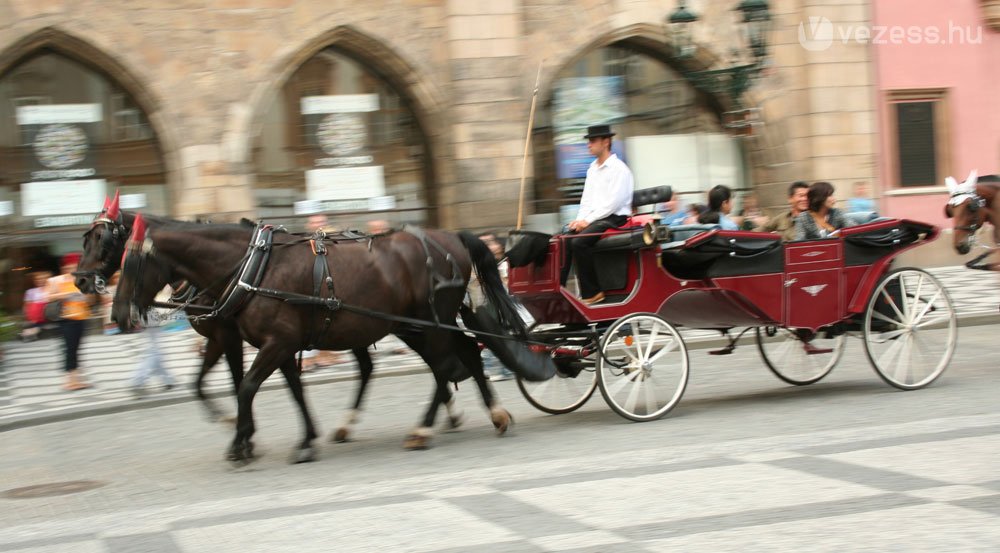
(527, 143)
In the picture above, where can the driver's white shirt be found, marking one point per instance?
(607, 190)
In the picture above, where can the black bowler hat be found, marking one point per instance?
(598, 131)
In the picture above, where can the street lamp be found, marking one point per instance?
(734, 80)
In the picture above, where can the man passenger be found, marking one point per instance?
(784, 223)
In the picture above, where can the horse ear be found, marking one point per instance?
(970, 182)
(952, 184)
(113, 210)
(138, 229)
(948, 211)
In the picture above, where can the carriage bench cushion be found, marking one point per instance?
(655, 195)
(681, 233)
(628, 239)
(722, 256)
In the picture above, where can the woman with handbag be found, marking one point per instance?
(34, 306)
(72, 315)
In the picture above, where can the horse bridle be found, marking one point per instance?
(118, 233)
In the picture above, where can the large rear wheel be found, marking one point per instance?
(643, 367)
(910, 329)
(799, 356)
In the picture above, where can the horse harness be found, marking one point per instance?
(978, 202)
(251, 272)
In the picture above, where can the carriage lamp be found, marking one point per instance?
(734, 80)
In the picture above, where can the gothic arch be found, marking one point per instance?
(82, 51)
(424, 100)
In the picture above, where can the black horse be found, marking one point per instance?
(374, 288)
(103, 246)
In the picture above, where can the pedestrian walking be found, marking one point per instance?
(71, 309)
(492, 366)
(152, 363)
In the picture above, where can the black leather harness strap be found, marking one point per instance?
(437, 281)
(249, 275)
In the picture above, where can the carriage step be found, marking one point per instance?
(813, 350)
(724, 351)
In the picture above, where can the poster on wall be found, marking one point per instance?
(62, 197)
(579, 102)
(345, 177)
(60, 136)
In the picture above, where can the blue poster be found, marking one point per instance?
(578, 103)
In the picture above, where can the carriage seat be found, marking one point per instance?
(629, 235)
(681, 233)
(723, 255)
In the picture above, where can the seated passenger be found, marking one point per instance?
(693, 211)
(751, 216)
(784, 223)
(720, 203)
(821, 220)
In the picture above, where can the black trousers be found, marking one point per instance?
(581, 250)
(72, 332)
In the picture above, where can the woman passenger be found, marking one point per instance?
(720, 203)
(821, 220)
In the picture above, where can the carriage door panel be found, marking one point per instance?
(813, 283)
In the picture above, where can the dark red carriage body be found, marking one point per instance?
(725, 279)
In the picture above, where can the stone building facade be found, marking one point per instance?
(204, 73)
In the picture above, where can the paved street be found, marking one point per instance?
(745, 463)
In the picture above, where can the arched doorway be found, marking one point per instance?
(668, 132)
(340, 139)
(69, 135)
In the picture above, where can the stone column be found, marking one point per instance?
(490, 95)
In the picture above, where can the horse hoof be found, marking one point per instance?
(454, 422)
(342, 435)
(304, 455)
(414, 442)
(241, 454)
(501, 420)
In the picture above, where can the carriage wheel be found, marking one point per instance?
(563, 393)
(643, 366)
(798, 356)
(910, 329)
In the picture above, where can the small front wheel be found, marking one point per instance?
(563, 393)
(642, 367)
(910, 329)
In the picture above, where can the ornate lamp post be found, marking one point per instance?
(734, 80)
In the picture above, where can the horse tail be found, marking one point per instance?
(496, 295)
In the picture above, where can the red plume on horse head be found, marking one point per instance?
(137, 237)
(111, 210)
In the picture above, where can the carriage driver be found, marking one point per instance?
(606, 203)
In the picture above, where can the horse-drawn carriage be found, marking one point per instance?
(801, 299)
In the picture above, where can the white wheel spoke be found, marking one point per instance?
(892, 304)
(635, 340)
(903, 300)
(889, 354)
(633, 395)
(884, 337)
(652, 341)
(651, 402)
(916, 297)
(667, 348)
(903, 360)
(933, 320)
(881, 317)
(927, 307)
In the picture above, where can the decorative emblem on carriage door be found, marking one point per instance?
(814, 289)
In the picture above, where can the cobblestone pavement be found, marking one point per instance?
(30, 378)
(745, 463)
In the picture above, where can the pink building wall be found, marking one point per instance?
(971, 74)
